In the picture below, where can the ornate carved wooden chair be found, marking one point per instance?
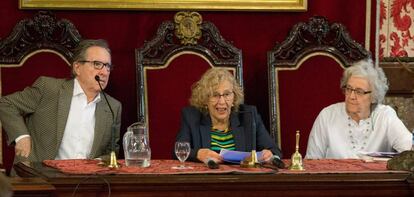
(304, 77)
(168, 65)
(38, 46)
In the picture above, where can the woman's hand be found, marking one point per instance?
(204, 154)
(266, 155)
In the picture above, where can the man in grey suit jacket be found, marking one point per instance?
(65, 118)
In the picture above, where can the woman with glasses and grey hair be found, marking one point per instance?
(361, 123)
(217, 120)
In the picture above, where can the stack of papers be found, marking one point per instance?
(382, 154)
(236, 156)
(377, 156)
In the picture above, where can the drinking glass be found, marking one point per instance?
(182, 151)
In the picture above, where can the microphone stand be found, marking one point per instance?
(113, 164)
(250, 162)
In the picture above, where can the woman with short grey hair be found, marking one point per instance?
(375, 76)
(361, 123)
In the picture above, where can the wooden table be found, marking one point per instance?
(32, 187)
(236, 185)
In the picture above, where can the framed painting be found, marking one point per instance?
(223, 5)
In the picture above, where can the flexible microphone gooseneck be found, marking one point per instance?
(275, 160)
(97, 78)
(249, 121)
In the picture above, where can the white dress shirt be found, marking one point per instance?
(335, 135)
(80, 126)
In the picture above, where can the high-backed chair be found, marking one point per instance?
(304, 77)
(38, 46)
(167, 66)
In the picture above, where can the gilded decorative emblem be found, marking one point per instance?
(187, 27)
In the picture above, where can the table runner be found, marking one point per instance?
(340, 166)
(79, 166)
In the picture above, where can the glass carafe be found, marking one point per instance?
(136, 146)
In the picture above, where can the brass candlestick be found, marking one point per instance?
(249, 162)
(297, 163)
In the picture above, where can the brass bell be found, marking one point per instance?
(297, 163)
(249, 162)
(113, 164)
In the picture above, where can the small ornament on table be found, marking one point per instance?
(297, 163)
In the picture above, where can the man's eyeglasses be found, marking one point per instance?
(358, 91)
(98, 64)
(216, 96)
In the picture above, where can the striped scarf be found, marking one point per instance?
(222, 139)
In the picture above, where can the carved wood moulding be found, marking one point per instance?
(202, 37)
(186, 34)
(317, 35)
(42, 32)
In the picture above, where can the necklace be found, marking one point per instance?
(359, 133)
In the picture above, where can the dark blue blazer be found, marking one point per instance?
(248, 130)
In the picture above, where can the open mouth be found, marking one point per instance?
(221, 110)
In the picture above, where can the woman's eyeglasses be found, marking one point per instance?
(216, 96)
(358, 91)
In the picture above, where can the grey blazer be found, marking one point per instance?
(41, 111)
(248, 130)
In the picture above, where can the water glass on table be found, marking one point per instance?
(182, 151)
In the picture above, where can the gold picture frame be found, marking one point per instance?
(208, 5)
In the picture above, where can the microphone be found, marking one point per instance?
(97, 78)
(276, 161)
(211, 163)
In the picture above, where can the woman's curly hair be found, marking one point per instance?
(205, 87)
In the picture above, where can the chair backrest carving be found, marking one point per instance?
(42, 33)
(308, 56)
(177, 55)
